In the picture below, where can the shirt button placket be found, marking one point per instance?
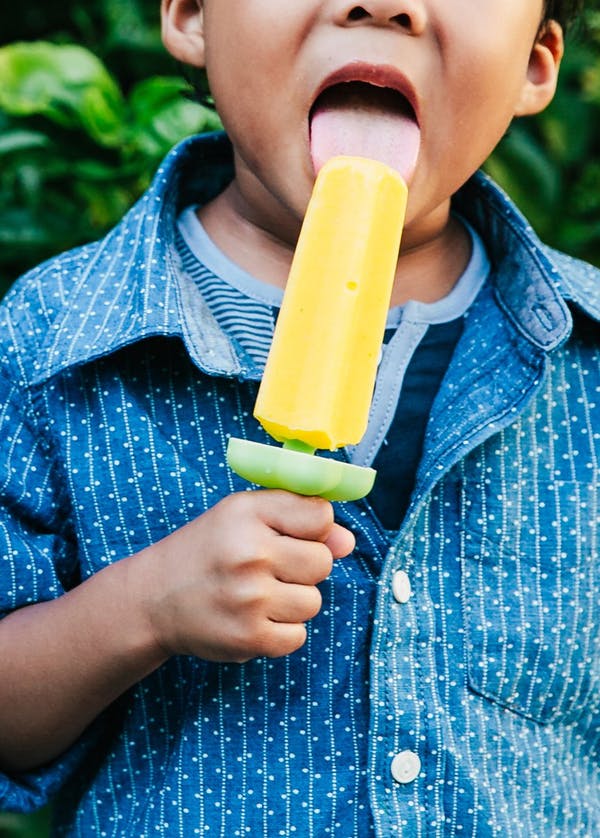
(406, 766)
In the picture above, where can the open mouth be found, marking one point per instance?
(366, 120)
(363, 96)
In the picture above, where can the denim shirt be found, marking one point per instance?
(450, 684)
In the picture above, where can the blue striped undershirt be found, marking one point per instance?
(419, 342)
(244, 307)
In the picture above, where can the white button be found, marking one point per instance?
(406, 767)
(401, 587)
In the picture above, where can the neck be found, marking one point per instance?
(256, 247)
(433, 255)
(431, 262)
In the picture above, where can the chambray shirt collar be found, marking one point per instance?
(533, 282)
(131, 285)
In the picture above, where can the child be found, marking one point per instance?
(182, 656)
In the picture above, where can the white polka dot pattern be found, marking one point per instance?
(461, 697)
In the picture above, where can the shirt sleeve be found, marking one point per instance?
(38, 557)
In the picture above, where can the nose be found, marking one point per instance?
(409, 15)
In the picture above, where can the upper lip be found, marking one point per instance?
(379, 75)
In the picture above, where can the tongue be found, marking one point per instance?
(363, 128)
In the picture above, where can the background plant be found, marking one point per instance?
(78, 143)
(550, 164)
(83, 129)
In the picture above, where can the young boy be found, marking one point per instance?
(182, 656)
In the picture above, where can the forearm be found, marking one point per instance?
(211, 589)
(65, 661)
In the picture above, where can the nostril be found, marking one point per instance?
(360, 13)
(357, 13)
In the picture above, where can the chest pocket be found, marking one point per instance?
(531, 593)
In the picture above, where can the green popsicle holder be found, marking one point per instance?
(294, 467)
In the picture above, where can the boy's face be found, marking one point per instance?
(467, 67)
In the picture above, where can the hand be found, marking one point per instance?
(240, 581)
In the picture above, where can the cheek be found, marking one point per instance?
(241, 78)
(485, 93)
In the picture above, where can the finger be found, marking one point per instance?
(283, 639)
(340, 541)
(274, 641)
(295, 604)
(302, 562)
(301, 517)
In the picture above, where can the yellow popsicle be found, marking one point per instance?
(320, 374)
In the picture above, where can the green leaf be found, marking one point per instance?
(163, 115)
(522, 167)
(20, 140)
(64, 83)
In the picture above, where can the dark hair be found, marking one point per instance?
(562, 11)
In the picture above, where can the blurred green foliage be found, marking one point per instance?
(82, 129)
(74, 149)
(79, 141)
(550, 164)
(19, 826)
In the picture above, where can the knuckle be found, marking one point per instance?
(325, 560)
(228, 506)
(318, 565)
(264, 644)
(314, 602)
(252, 597)
(324, 509)
(277, 640)
(294, 638)
(248, 642)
